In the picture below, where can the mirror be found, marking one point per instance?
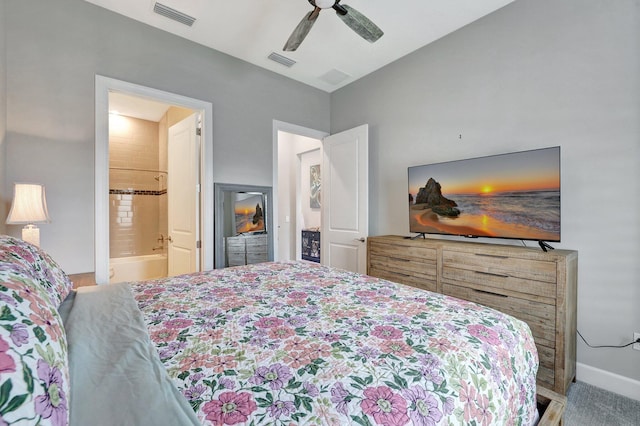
(243, 224)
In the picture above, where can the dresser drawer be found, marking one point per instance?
(237, 259)
(504, 284)
(235, 244)
(256, 241)
(403, 252)
(421, 282)
(404, 266)
(540, 317)
(256, 258)
(528, 269)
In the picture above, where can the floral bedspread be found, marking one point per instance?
(299, 343)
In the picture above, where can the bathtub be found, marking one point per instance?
(137, 268)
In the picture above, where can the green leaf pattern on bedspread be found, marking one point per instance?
(299, 343)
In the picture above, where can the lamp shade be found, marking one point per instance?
(29, 204)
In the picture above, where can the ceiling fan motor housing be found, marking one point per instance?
(325, 4)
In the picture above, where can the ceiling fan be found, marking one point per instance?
(354, 20)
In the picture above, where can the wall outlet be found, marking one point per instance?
(636, 346)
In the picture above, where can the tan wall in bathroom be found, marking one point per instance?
(133, 165)
(137, 220)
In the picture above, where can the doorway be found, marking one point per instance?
(106, 88)
(297, 151)
(344, 206)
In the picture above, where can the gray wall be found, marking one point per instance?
(53, 52)
(536, 73)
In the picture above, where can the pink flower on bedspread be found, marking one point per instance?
(178, 323)
(211, 334)
(297, 359)
(165, 335)
(193, 360)
(281, 332)
(468, 398)
(441, 344)
(222, 363)
(268, 322)
(298, 295)
(43, 316)
(7, 365)
(319, 350)
(386, 332)
(483, 412)
(386, 407)
(230, 409)
(297, 343)
(484, 333)
(53, 404)
(396, 347)
(365, 294)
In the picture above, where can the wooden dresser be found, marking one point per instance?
(247, 249)
(537, 287)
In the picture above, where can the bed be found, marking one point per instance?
(274, 343)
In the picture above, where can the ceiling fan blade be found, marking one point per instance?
(359, 23)
(301, 31)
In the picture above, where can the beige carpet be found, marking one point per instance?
(591, 406)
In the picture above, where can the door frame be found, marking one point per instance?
(281, 126)
(104, 85)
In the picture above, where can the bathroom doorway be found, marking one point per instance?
(139, 172)
(133, 174)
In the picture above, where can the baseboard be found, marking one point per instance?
(608, 381)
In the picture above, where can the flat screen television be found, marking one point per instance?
(512, 196)
(249, 212)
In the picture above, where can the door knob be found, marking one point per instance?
(169, 238)
(362, 240)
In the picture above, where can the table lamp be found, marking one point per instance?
(29, 206)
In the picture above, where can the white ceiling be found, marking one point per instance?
(252, 29)
(133, 106)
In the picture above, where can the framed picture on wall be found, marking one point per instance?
(314, 186)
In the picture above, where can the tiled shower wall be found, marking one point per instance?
(137, 187)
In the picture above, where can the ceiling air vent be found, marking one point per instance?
(334, 77)
(176, 15)
(276, 57)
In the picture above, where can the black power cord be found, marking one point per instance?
(606, 346)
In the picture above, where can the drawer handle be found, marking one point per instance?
(399, 259)
(491, 255)
(492, 274)
(489, 292)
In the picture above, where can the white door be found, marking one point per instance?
(345, 200)
(183, 197)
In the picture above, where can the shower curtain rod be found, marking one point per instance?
(138, 170)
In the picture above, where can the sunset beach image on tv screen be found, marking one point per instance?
(514, 195)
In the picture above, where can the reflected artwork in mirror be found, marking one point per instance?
(243, 227)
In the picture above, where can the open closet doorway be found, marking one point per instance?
(297, 191)
(344, 201)
(137, 231)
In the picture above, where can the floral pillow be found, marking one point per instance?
(40, 265)
(34, 373)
